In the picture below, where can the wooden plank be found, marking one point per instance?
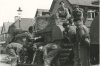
(28, 65)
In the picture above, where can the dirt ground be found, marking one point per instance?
(5, 64)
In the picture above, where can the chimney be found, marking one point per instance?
(16, 18)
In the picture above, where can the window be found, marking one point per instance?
(96, 13)
(45, 13)
(91, 15)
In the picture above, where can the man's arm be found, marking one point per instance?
(84, 33)
(68, 14)
(57, 13)
(19, 48)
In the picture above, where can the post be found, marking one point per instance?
(19, 14)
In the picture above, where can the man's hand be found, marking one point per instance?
(87, 41)
(41, 48)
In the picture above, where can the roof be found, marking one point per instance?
(78, 2)
(82, 2)
(94, 31)
(43, 10)
(39, 11)
(5, 27)
(0, 29)
(25, 23)
(96, 2)
(52, 5)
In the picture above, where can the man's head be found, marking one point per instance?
(61, 3)
(70, 21)
(78, 17)
(78, 14)
(65, 25)
(30, 29)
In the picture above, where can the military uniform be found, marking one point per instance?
(69, 39)
(82, 46)
(62, 15)
(50, 52)
(29, 44)
(13, 50)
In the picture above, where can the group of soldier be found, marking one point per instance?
(71, 30)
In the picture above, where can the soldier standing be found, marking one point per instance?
(29, 45)
(82, 43)
(70, 37)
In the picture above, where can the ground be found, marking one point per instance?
(2, 56)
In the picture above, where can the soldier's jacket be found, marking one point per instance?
(30, 36)
(62, 13)
(70, 33)
(82, 34)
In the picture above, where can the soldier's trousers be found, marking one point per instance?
(81, 56)
(76, 56)
(49, 57)
(13, 56)
(84, 56)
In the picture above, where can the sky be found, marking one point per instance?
(8, 8)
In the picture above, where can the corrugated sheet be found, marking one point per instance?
(94, 31)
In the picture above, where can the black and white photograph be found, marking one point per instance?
(49, 32)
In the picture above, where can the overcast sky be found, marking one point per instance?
(8, 8)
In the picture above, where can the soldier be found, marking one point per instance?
(30, 34)
(70, 30)
(82, 43)
(14, 48)
(62, 13)
(75, 12)
(29, 44)
(70, 37)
